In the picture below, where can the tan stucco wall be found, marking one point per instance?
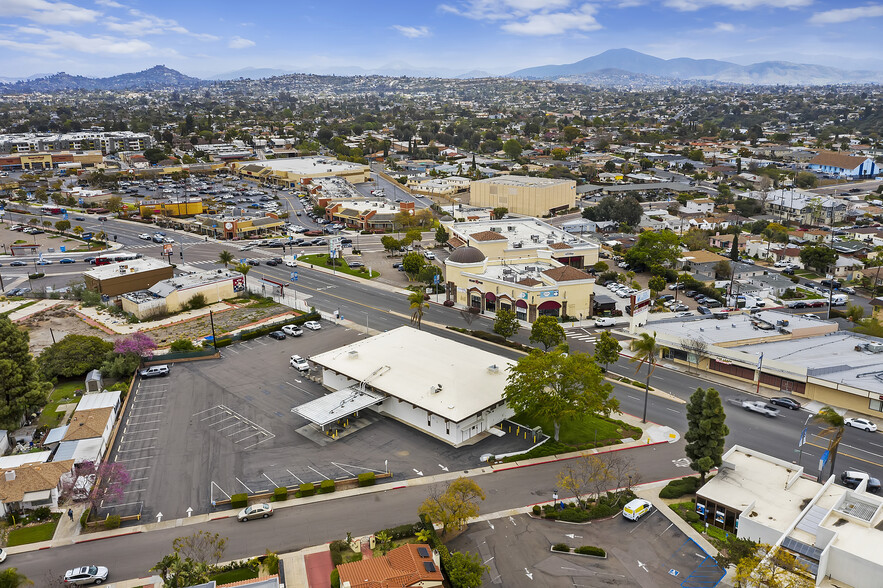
(529, 200)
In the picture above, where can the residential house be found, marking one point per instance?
(872, 235)
(842, 165)
(31, 486)
(770, 285)
(701, 261)
(800, 206)
(698, 206)
(847, 268)
(708, 223)
(412, 564)
(786, 253)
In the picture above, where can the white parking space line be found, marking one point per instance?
(344, 469)
(140, 440)
(355, 467)
(146, 414)
(246, 429)
(138, 469)
(295, 477)
(236, 424)
(126, 431)
(213, 486)
(142, 422)
(132, 459)
(243, 484)
(139, 479)
(227, 418)
(133, 450)
(231, 351)
(271, 481)
(321, 475)
(307, 392)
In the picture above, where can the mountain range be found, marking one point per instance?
(613, 68)
(707, 70)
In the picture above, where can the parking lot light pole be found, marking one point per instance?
(211, 319)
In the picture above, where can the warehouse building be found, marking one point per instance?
(297, 171)
(136, 274)
(524, 194)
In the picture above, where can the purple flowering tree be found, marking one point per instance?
(137, 343)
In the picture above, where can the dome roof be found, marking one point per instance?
(466, 255)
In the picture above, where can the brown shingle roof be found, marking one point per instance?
(703, 256)
(400, 568)
(86, 424)
(487, 236)
(840, 160)
(32, 477)
(529, 282)
(560, 246)
(567, 273)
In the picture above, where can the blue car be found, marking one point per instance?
(67, 260)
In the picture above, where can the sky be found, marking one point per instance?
(205, 37)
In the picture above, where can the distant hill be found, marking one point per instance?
(685, 68)
(156, 77)
(250, 73)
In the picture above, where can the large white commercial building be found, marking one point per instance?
(446, 389)
(107, 142)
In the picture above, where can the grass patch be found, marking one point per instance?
(321, 259)
(234, 576)
(19, 307)
(33, 534)
(586, 429)
(63, 393)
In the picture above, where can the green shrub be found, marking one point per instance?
(561, 547)
(336, 547)
(356, 557)
(280, 494)
(223, 342)
(307, 489)
(547, 508)
(239, 500)
(574, 515)
(183, 345)
(590, 550)
(112, 522)
(84, 518)
(552, 516)
(42, 513)
(400, 532)
(677, 488)
(691, 516)
(271, 562)
(335, 578)
(537, 510)
(366, 479)
(326, 487)
(602, 510)
(198, 301)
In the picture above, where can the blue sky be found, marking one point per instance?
(200, 37)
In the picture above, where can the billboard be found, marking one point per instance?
(640, 302)
(167, 249)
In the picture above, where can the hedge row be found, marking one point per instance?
(280, 494)
(239, 500)
(678, 488)
(326, 487)
(367, 479)
(261, 331)
(590, 550)
(307, 489)
(401, 532)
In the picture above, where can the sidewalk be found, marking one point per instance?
(68, 530)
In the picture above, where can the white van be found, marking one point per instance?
(636, 509)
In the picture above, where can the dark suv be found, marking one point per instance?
(852, 478)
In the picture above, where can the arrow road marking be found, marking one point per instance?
(419, 473)
(445, 468)
(511, 520)
(528, 574)
(159, 517)
(189, 511)
(572, 536)
(491, 524)
(643, 567)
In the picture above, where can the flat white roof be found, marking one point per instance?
(526, 233)
(444, 377)
(107, 399)
(20, 459)
(530, 181)
(308, 165)
(738, 327)
(112, 270)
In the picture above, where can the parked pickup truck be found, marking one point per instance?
(760, 407)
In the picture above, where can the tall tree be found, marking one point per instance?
(505, 323)
(465, 569)
(512, 148)
(558, 386)
(418, 305)
(654, 248)
(646, 350)
(21, 389)
(734, 250)
(833, 425)
(454, 504)
(772, 567)
(818, 257)
(225, 257)
(441, 235)
(706, 431)
(547, 331)
(73, 356)
(607, 349)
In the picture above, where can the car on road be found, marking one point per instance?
(604, 322)
(292, 330)
(2, 555)
(429, 255)
(291, 263)
(272, 262)
(67, 260)
(89, 260)
(155, 371)
(79, 218)
(785, 402)
(254, 262)
(44, 262)
(17, 263)
(685, 313)
(847, 290)
(255, 511)
(278, 335)
(859, 423)
(811, 316)
(299, 363)
(102, 218)
(85, 575)
(852, 478)
(767, 410)
(145, 236)
(356, 264)
(313, 325)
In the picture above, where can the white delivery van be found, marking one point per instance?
(636, 509)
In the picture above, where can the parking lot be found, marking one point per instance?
(215, 428)
(649, 552)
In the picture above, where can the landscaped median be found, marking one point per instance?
(323, 260)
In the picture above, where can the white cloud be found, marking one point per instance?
(724, 27)
(94, 45)
(412, 32)
(529, 17)
(46, 12)
(692, 5)
(840, 15)
(555, 23)
(148, 24)
(240, 43)
(109, 3)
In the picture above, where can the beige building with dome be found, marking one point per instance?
(523, 265)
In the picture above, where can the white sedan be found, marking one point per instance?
(144, 236)
(313, 325)
(857, 423)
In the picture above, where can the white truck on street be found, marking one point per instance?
(760, 407)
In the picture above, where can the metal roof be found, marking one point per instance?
(337, 405)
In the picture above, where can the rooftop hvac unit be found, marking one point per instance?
(436, 389)
(494, 369)
(352, 354)
(510, 228)
(875, 347)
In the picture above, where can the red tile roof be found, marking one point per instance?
(567, 273)
(487, 236)
(400, 568)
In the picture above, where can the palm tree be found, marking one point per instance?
(225, 257)
(646, 351)
(832, 426)
(10, 578)
(418, 305)
(243, 268)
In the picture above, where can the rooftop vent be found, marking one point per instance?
(353, 354)
(494, 369)
(10, 475)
